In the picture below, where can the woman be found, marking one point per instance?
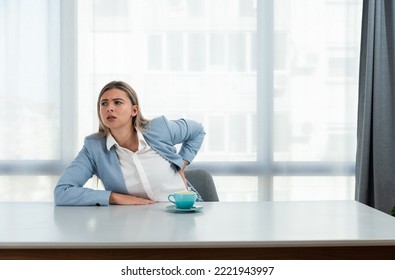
(135, 158)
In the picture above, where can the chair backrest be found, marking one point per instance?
(203, 182)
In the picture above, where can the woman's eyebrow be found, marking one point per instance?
(114, 99)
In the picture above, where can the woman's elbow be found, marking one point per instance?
(60, 195)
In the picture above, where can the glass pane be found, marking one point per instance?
(29, 79)
(313, 188)
(316, 80)
(27, 188)
(234, 188)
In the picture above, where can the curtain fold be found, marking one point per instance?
(375, 160)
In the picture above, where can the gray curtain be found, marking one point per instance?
(375, 162)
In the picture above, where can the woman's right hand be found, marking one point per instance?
(125, 199)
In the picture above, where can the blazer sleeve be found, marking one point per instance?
(163, 135)
(69, 189)
(190, 134)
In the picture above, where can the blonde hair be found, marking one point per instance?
(138, 121)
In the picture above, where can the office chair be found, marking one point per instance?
(203, 182)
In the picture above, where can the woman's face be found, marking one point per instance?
(116, 110)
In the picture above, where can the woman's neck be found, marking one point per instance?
(126, 139)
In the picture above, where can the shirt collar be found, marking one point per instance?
(111, 141)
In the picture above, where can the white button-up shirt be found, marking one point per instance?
(145, 172)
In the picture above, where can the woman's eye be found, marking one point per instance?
(104, 103)
(118, 102)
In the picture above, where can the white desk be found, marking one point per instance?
(241, 230)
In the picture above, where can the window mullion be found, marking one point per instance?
(68, 80)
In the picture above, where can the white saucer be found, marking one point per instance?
(174, 208)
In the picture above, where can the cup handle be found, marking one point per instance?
(170, 197)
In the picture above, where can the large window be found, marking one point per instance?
(273, 82)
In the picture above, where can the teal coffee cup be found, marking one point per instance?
(183, 200)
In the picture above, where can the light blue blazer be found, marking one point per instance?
(94, 158)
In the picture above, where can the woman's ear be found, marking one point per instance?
(135, 110)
